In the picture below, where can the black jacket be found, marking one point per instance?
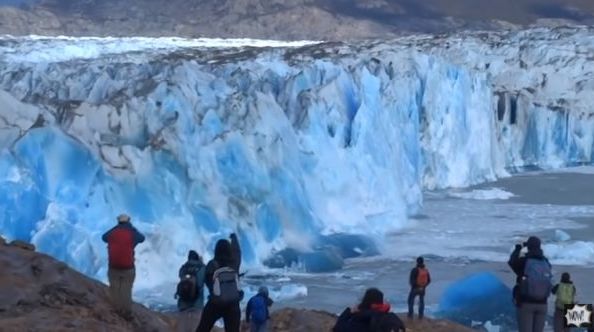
(368, 321)
(518, 265)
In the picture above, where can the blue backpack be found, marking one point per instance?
(536, 284)
(259, 313)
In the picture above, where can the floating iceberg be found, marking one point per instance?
(479, 297)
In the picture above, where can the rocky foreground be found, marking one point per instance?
(39, 293)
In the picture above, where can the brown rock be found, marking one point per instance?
(38, 293)
(22, 245)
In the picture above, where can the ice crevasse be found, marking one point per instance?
(283, 145)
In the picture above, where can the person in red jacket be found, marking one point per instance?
(121, 241)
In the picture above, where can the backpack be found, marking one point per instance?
(422, 277)
(225, 287)
(536, 284)
(565, 294)
(186, 288)
(259, 310)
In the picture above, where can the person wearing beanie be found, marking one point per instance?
(190, 291)
(419, 279)
(372, 314)
(121, 241)
(533, 285)
(257, 311)
(565, 291)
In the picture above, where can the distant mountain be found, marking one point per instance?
(281, 19)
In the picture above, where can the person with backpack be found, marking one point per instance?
(419, 279)
(121, 241)
(371, 315)
(222, 281)
(534, 285)
(190, 291)
(256, 311)
(565, 291)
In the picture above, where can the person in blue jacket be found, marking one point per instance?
(256, 311)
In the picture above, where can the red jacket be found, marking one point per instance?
(121, 241)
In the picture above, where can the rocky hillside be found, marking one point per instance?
(39, 293)
(280, 19)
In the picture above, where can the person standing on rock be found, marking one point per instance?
(121, 241)
(534, 285)
(222, 281)
(419, 279)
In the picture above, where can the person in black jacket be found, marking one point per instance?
(531, 312)
(419, 279)
(371, 315)
(227, 254)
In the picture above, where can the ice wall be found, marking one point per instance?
(278, 144)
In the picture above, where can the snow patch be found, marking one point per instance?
(39, 49)
(484, 194)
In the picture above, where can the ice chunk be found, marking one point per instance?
(479, 297)
(570, 253)
(561, 236)
(323, 260)
(484, 194)
(351, 245)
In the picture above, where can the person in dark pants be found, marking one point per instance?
(121, 241)
(419, 280)
(226, 261)
(534, 285)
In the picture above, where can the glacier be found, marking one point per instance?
(285, 144)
